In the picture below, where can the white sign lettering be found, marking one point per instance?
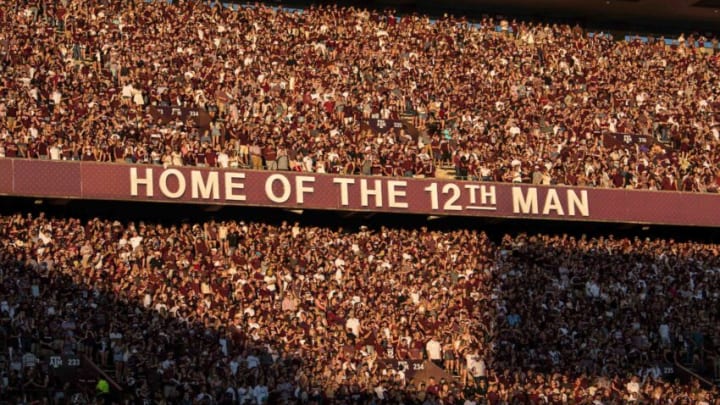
(344, 194)
(527, 202)
(270, 193)
(396, 190)
(202, 188)
(302, 189)
(375, 191)
(164, 183)
(135, 181)
(288, 189)
(231, 185)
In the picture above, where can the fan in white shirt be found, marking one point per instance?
(223, 160)
(475, 365)
(434, 349)
(261, 394)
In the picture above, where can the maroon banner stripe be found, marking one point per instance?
(6, 176)
(353, 193)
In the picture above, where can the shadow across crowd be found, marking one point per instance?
(234, 312)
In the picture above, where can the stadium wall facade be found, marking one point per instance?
(293, 190)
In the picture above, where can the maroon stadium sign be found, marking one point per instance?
(619, 139)
(352, 193)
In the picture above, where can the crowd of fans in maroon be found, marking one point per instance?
(282, 90)
(234, 312)
(252, 313)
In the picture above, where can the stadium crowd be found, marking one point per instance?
(252, 313)
(188, 83)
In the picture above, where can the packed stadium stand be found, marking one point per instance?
(213, 304)
(350, 91)
(248, 312)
